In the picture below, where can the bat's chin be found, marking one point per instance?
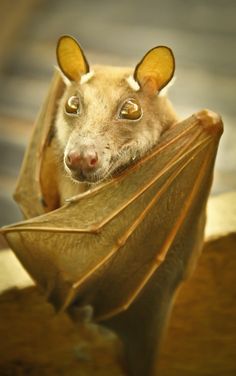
(88, 177)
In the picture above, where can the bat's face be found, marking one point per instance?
(105, 122)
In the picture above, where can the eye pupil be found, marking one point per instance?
(72, 105)
(130, 110)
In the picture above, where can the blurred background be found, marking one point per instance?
(201, 33)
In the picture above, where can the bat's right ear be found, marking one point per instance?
(71, 59)
(155, 70)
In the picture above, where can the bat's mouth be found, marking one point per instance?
(81, 176)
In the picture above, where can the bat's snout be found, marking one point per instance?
(84, 161)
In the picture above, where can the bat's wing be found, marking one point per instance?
(103, 246)
(28, 192)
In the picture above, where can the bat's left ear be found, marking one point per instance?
(71, 58)
(155, 70)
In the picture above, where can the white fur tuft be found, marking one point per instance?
(132, 83)
(86, 77)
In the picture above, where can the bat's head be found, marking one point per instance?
(110, 116)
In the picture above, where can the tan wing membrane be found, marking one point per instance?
(156, 69)
(104, 246)
(71, 59)
(36, 159)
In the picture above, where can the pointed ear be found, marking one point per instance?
(71, 59)
(155, 70)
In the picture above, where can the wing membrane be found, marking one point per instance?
(102, 247)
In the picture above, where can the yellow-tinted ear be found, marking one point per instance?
(71, 59)
(155, 70)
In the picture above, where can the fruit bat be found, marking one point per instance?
(124, 245)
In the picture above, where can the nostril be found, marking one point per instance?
(72, 159)
(93, 160)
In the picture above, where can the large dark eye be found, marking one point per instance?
(130, 110)
(72, 105)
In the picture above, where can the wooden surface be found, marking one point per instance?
(201, 33)
(201, 339)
